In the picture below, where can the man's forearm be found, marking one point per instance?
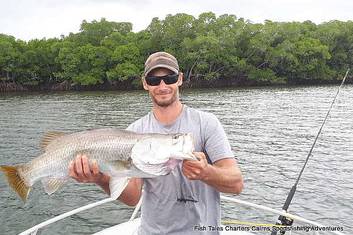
(132, 193)
(224, 179)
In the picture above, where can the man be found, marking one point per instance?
(189, 197)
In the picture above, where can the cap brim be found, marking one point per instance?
(161, 66)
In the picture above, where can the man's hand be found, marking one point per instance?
(196, 170)
(85, 172)
(224, 175)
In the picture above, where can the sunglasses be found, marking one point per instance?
(168, 79)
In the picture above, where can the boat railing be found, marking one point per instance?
(34, 229)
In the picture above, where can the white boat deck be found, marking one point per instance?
(130, 227)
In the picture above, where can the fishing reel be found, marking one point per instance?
(285, 221)
(283, 224)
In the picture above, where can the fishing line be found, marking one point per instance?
(282, 220)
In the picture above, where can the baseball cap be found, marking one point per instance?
(161, 59)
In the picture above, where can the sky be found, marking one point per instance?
(30, 19)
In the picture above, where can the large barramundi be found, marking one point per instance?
(119, 153)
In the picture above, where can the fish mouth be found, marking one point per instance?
(172, 163)
(159, 169)
(184, 156)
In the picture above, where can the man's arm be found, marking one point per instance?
(85, 172)
(224, 175)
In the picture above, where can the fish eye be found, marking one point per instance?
(177, 136)
(175, 139)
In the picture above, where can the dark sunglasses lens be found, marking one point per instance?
(153, 81)
(170, 79)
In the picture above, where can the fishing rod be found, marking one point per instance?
(282, 220)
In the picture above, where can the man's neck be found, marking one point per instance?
(167, 115)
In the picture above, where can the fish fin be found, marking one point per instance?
(117, 186)
(49, 137)
(120, 165)
(15, 181)
(51, 185)
(136, 172)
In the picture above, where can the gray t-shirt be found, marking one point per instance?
(173, 204)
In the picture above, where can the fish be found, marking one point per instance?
(121, 154)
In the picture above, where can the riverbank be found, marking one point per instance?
(135, 84)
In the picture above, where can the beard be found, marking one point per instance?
(165, 103)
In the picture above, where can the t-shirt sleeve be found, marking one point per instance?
(217, 146)
(131, 127)
(135, 127)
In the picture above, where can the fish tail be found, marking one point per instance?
(15, 181)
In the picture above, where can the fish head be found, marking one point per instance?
(160, 154)
(182, 147)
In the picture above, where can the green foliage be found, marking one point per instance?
(123, 71)
(84, 65)
(265, 76)
(207, 47)
(96, 31)
(8, 53)
(127, 63)
(312, 57)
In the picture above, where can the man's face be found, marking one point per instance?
(163, 95)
